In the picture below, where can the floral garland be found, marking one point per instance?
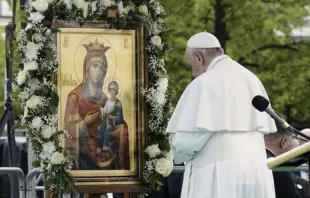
(38, 95)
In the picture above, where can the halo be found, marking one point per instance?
(110, 79)
(80, 53)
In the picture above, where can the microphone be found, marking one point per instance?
(262, 104)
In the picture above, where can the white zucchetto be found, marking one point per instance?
(203, 40)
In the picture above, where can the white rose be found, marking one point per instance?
(156, 40)
(33, 102)
(48, 149)
(164, 166)
(85, 9)
(40, 5)
(37, 37)
(31, 46)
(93, 6)
(35, 17)
(160, 98)
(47, 131)
(50, 1)
(107, 3)
(29, 26)
(33, 85)
(21, 77)
(36, 121)
(68, 4)
(153, 150)
(170, 155)
(32, 51)
(79, 3)
(120, 7)
(128, 8)
(47, 32)
(143, 10)
(156, 28)
(162, 85)
(57, 158)
(32, 65)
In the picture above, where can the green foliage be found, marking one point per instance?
(246, 32)
(182, 19)
(281, 63)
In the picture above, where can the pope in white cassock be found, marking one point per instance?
(216, 130)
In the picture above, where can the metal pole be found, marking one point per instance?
(38, 179)
(39, 188)
(21, 178)
(29, 179)
(9, 52)
(178, 169)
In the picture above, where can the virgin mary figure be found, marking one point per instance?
(83, 115)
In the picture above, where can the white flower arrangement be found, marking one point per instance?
(156, 41)
(48, 149)
(46, 165)
(33, 84)
(36, 122)
(37, 37)
(107, 3)
(32, 65)
(164, 166)
(51, 1)
(162, 85)
(40, 5)
(47, 131)
(34, 102)
(120, 8)
(143, 9)
(153, 150)
(32, 50)
(21, 77)
(68, 4)
(34, 17)
(57, 158)
(37, 70)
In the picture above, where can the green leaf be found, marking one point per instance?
(54, 99)
(45, 90)
(35, 144)
(36, 163)
(159, 182)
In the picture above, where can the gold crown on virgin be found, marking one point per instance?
(96, 46)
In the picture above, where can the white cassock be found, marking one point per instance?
(220, 135)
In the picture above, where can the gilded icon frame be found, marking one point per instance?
(137, 138)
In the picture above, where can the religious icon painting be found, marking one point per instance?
(99, 80)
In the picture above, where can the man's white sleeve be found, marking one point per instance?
(185, 145)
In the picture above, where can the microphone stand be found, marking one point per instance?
(293, 129)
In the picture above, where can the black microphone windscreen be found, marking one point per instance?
(260, 103)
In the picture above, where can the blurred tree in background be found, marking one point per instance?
(183, 20)
(247, 31)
